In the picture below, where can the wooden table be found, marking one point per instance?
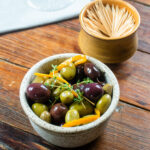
(128, 128)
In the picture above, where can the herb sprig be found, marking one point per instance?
(54, 68)
(80, 96)
(68, 87)
(85, 80)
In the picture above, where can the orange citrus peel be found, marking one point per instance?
(83, 120)
(78, 59)
(58, 78)
(97, 112)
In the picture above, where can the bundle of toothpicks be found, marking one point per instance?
(108, 20)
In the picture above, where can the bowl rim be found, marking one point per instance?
(57, 129)
(112, 38)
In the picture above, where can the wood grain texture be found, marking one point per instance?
(127, 129)
(10, 79)
(145, 2)
(16, 139)
(27, 47)
(144, 29)
(73, 24)
(133, 76)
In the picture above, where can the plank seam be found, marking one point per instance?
(62, 25)
(143, 51)
(19, 129)
(134, 105)
(7, 61)
(10, 62)
(40, 137)
(140, 2)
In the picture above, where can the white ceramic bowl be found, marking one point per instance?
(72, 136)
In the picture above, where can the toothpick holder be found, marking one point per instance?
(113, 49)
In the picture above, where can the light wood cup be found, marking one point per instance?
(109, 50)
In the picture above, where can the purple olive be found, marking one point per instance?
(93, 91)
(38, 92)
(91, 71)
(58, 112)
(80, 72)
(79, 86)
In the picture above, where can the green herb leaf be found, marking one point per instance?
(52, 85)
(80, 96)
(50, 101)
(54, 68)
(78, 81)
(57, 97)
(87, 80)
(46, 84)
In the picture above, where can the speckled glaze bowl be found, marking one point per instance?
(72, 136)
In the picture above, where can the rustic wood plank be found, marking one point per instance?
(10, 79)
(144, 29)
(133, 76)
(143, 32)
(145, 2)
(128, 124)
(73, 24)
(128, 128)
(28, 47)
(123, 131)
(15, 139)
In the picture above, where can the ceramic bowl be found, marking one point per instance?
(72, 136)
(109, 50)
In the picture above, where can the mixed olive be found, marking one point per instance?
(55, 100)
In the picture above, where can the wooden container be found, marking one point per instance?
(113, 49)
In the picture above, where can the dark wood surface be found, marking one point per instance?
(145, 2)
(129, 127)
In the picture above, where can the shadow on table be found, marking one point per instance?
(121, 70)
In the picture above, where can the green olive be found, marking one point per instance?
(103, 104)
(49, 82)
(45, 78)
(56, 93)
(68, 72)
(71, 115)
(71, 65)
(84, 108)
(66, 97)
(58, 82)
(38, 108)
(108, 88)
(45, 115)
(38, 80)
